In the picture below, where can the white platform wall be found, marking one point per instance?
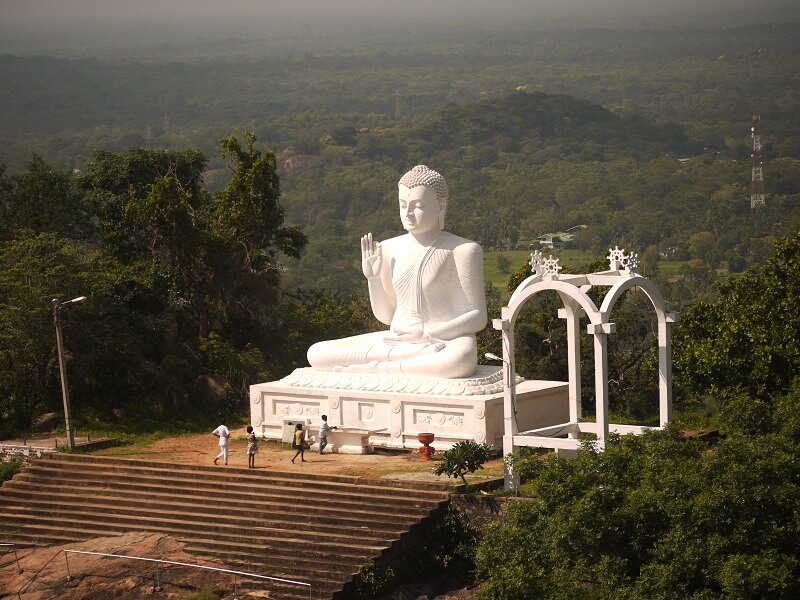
(395, 418)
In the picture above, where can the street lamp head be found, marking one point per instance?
(57, 303)
(491, 356)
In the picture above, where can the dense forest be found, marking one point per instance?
(642, 134)
(207, 194)
(220, 272)
(184, 286)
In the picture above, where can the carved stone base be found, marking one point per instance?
(397, 409)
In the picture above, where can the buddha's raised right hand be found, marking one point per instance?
(371, 257)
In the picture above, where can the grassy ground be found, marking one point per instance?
(668, 268)
(571, 258)
(517, 258)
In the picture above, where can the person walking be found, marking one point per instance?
(299, 442)
(252, 447)
(323, 433)
(224, 434)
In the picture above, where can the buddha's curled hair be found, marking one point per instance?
(424, 175)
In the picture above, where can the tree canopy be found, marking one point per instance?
(663, 515)
(184, 285)
(653, 517)
(748, 339)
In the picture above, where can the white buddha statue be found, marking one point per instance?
(426, 285)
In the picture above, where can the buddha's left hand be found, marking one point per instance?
(411, 335)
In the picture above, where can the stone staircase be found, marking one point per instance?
(319, 529)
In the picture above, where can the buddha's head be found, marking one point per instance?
(420, 189)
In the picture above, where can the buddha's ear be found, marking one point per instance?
(442, 210)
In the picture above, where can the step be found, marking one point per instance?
(24, 538)
(263, 540)
(226, 475)
(177, 523)
(180, 484)
(285, 591)
(273, 564)
(46, 531)
(314, 574)
(316, 528)
(216, 551)
(216, 471)
(14, 498)
(399, 515)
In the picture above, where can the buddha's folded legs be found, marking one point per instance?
(369, 353)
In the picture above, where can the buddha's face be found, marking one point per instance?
(419, 209)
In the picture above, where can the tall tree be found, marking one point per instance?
(750, 338)
(247, 222)
(106, 342)
(249, 211)
(214, 262)
(42, 199)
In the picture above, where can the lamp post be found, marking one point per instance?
(510, 479)
(62, 365)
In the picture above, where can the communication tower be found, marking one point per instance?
(757, 191)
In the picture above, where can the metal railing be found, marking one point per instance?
(182, 564)
(13, 549)
(157, 585)
(27, 584)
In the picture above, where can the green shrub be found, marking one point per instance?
(448, 548)
(202, 595)
(464, 457)
(787, 413)
(744, 413)
(527, 463)
(9, 469)
(373, 581)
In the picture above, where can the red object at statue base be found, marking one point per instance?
(426, 439)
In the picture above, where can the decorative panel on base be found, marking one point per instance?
(394, 410)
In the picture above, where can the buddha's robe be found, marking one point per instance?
(438, 288)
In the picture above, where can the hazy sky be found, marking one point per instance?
(99, 27)
(115, 10)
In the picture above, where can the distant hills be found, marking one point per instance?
(524, 165)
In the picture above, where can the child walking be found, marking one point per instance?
(252, 447)
(299, 442)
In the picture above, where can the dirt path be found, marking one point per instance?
(200, 449)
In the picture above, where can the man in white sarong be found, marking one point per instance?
(427, 285)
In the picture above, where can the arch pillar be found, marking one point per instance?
(601, 332)
(504, 325)
(665, 367)
(572, 313)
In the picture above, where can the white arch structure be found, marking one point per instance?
(573, 291)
